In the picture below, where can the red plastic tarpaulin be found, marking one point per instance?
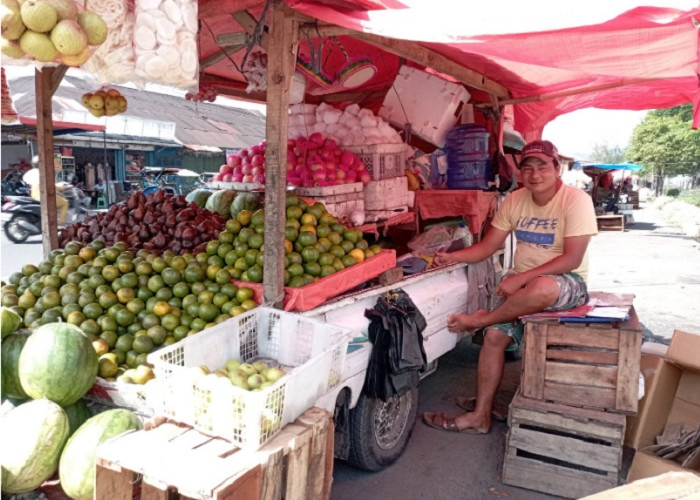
(552, 62)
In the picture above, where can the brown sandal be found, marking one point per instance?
(445, 423)
(468, 403)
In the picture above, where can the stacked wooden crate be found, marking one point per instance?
(567, 424)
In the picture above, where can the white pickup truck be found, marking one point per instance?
(372, 434)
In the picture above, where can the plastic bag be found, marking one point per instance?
(436, 239)
(114, 61)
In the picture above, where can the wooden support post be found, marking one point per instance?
(281, 58)
(45, 86)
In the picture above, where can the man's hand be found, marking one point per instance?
(442, 259)
(510, 285)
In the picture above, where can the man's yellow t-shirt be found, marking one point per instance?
(540, 231)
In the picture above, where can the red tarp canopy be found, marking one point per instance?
(653, 49)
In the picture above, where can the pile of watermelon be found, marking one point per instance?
(45, 425)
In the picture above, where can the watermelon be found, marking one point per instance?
(78, 413)
(10, 404)
(10, 321)
(199, 196)
(245, 201)
(9, 363)
(220, 202)
(32, 436)
(59, 363)
(77, 466)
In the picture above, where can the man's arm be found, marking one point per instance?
(574, 251)
(493, 240)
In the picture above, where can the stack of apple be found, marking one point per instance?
(317, 162)
(104, 102)
(246, 165)
(249, 376)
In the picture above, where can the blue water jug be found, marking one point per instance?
(467, 157)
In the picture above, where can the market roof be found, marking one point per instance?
(197, 125)
(644, 58)
(609, 166)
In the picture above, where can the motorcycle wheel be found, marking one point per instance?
(16, 233)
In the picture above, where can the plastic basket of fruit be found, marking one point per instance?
(382, 160)
(245, 378)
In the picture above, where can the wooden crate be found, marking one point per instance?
(611, 222)
(177, 462)
(562, 450)
(592, 365)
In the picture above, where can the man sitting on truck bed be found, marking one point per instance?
(553, 224)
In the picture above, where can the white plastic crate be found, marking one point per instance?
(386, 194)
(382, 160)
(429, 103)
(311, 352)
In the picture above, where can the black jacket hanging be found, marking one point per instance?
(395, 330)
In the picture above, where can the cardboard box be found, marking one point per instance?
(673, 398)
(648, 366)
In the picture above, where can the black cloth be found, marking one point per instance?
(395, 330)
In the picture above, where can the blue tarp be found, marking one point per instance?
(609, 166)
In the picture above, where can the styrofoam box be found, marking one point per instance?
(430, 104)
(311, 352)
(386, 193)
(340, 200)
(382, 160)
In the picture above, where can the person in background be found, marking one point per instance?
(98, 190)
(553, 224)
(32, 178)
(148, 181)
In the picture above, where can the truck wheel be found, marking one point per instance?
(379, 431)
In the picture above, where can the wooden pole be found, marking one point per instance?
(44, 84)
(281, 58)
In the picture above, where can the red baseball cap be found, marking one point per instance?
(544, 150)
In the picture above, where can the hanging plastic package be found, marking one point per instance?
(165, 42)
(395, 330)
(114, 61)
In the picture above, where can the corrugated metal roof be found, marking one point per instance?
(199, 124)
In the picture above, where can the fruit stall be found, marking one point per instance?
(207, 326)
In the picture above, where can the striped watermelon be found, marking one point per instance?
(78, 413)
(32, 437)
(59, 363)
(77, 466)
(11, 349)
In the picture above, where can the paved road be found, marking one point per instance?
(13, 257)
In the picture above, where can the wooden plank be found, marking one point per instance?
(603, 338)
(321, 426)
(628, 371)
(272, 476)
(281, 59)
(153, 492)
(432, 59)
(633, 322)
(567, 449)
(584, 414)
(223, 53)
(249, 23)
(584, 428)
(244, 487)
(590, 357)
(532, 382)
(113, 484)
(298, 466)
(596, 397)
(44, 87)
(550, 478)
(570, 373)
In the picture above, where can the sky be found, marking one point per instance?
(575, 134)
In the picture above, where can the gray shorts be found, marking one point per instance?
(572, 293)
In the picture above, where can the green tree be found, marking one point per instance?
(665, 144)
(602, 153)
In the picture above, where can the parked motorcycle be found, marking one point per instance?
(18, 188)
(26, 214)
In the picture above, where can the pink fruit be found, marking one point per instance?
(237, 178)
(365, 177)
(258, 159)
(259, 178)
(237, 170)
(226, 178)
(247, 178)
(247, 170)
(317, 138)
(243, 153)
(347, 159)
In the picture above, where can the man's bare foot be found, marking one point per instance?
(474, 421)
(464, 322)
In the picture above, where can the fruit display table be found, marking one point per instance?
(475, 206)
(176, 461)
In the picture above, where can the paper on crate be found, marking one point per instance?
(430, 104)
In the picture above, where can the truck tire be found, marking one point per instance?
(379, 431)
